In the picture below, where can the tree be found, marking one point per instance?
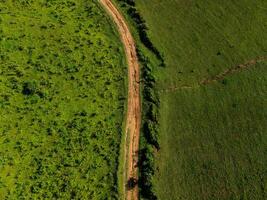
(29, 88)
(131, 183)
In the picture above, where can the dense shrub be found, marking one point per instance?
(149, 129)
(29, 88)
(142, 28)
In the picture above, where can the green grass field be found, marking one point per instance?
(212, 137)
(62, 96)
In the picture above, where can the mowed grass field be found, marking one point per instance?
(212, 136)
(62, 78)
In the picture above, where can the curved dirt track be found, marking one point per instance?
(133, 118)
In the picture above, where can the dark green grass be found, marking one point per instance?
(202, 38)
(213, 137)
(61, 101)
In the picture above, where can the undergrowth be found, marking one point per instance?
(61, 100)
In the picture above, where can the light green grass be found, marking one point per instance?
(59, 137)
(212, 138)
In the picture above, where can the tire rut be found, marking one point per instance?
(133, 118)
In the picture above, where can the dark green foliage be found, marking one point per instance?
(131, 183)
(29, 88)
(147, 171)
(149, 129)
(141, 27)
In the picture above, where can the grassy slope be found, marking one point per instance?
(61, 139)
(213, 138)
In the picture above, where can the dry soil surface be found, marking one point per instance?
(133, 118)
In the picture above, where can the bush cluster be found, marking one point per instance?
(141, 28)
(149, 130)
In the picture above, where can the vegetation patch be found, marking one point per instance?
(141, 27)
(61, 100)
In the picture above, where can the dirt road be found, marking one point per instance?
(133, 118)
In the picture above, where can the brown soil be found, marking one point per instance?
(133, 118)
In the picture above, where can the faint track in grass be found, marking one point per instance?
(233, 70)
(133, 118)
(220, 76)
